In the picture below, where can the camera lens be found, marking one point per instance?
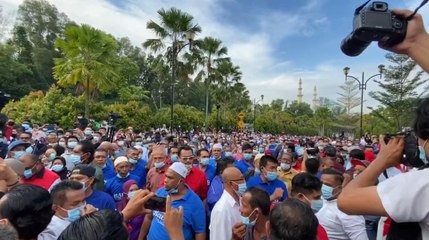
(351, 46)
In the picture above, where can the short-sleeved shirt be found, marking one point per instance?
(197, 181)
(114, 186)
(101, 200)
(405, 198)
(140, 171)
(154, 178)
(269, 187)
(194, 217)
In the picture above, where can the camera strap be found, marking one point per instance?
(417, 9)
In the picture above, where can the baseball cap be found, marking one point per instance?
(84, 169)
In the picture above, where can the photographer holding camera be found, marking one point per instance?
(405, 197)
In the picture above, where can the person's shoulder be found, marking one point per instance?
(51, 174)
(254, 180)
(134, 177)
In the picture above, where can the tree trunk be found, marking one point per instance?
(87, 99)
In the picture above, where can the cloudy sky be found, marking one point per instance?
(275, 42)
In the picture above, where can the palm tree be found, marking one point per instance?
(210, 52)
(90, 60)
(227, 75)
(174, 27)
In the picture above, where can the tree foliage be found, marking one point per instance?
(349, 95)
(399, 95)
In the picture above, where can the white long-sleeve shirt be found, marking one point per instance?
(340, 226)
(224, 215)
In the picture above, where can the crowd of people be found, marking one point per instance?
(87, 183)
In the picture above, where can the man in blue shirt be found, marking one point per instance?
(101, 161)
(268, 179)
(246, 164)
(203, 158)
(194, 217)
(138, 166)
(85, 174)
(114, 186)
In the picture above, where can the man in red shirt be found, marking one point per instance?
(196, 179)
(35, 172)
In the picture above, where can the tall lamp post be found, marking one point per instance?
(174, 50)
(362, 87)
(254, 109)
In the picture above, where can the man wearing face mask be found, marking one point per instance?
(246, 164)
(138, 166)
(196, 179)
(35, 172)
(17, 148)
(338, 224)
(69, 204)
(182, 196)
(307, 189)
(226, 211)
(114, 186)
(100, 160)
(204, 165)
(156, 173)
(217, 152)
(85, 174)
(268, 181)
(83, 153)
(255, 211)
(286, 172)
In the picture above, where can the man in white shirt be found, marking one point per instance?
(226, 212)
(69, 205)
(338, 225)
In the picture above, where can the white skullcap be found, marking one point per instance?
(138, 147)
(217, 146)
(180, 169)
(120, 160)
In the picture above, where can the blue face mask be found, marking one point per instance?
(88, 132)
(205, 161)
(29, 149)
(257, 172)
(57, 168)
(261, 150)
(174, 190)
(242, 187)
(327, 192)
(246, 220)
(28, 173)
(228, 154)
(52, 156)
(247, 156)
(159, 165)
(271, 176)
(75, 159)
(131, 194)
(316, 205)
(18, 154)
(132, 161)
(71, 145)
(74, 214)
(174, 158)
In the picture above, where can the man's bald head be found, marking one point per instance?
(105, 146)
(231, 174)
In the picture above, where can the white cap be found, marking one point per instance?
(180, 169)
(217, 146)
(120, 160)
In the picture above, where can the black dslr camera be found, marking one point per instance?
(411, 149)
(374, 23)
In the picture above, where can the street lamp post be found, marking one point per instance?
(254, 109)
(362, 87)
(174, 51)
